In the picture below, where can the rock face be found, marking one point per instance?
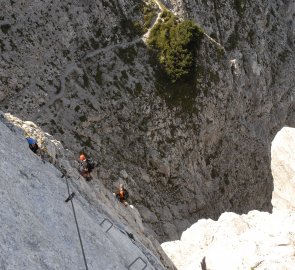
(82, 72)
(38, 229)
(257, 240)
(283, 169)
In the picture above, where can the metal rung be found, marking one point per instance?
(106, 219)
(138, 258)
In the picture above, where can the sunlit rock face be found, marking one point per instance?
(283, 169)
(82, 72)
(258, 240)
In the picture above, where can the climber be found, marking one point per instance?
(33, 144)
(87, 165)
(122, 195)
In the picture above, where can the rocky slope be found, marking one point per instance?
(194, 150)
(38, 228)
(258, 240)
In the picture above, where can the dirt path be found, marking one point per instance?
(129, 43)
(70, 67)
(147, 34)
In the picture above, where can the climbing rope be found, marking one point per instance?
(70, 198)
(151, 258)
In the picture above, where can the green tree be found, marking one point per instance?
(176, 42)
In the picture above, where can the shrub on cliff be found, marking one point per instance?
(176, 42)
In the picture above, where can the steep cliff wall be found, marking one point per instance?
(190, 150)
(257, 240)
(38, 229)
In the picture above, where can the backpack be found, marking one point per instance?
(90, 164)
(126, 194)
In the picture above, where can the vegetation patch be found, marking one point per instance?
(83, 118)
(251, 36)
(95, 44)
(88, 143)
(58, 89)
(86, 80)
(2, 46)
(220, 53)
(149, 13)
(240, 6)
(89, 104)
(124, 75)
(127, 55)
(137, 89)
(176, 42)
(132, 28)
(111, 5)
(181, 94)
(283, 55)
(98, 75)
(98, 32)
(233, 39)
(5, 28)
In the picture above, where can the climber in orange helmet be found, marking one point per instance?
(86, 167)
(122, 195)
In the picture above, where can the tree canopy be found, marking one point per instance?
(176, 42)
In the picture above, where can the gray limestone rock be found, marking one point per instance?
(258, 240)
(283, 169)
(38, 229)
(82, 72)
